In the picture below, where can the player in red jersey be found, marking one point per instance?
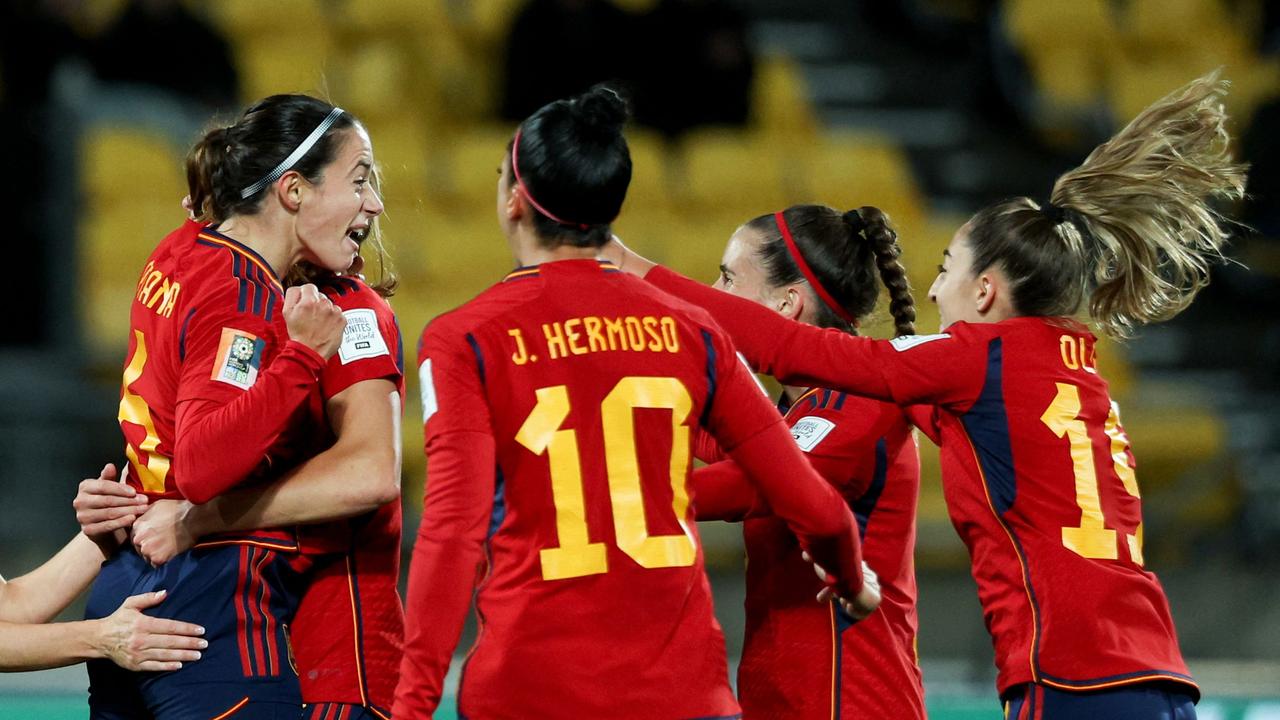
(799, 659)
(558, 409)
(1037, 470)
(221, 364)
(348, 632)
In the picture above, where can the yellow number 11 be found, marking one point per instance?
(1092, 539)
(576, 555)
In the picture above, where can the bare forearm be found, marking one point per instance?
(41, 594)
(328, 487)
(38, 647)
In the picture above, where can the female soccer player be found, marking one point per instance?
(558, 410)
(221, 364)
(800, 659)
(1038, 474)
(127, 637)
(348, 633)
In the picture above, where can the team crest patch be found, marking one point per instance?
(239, 358)
(810, 430)
(361, 339)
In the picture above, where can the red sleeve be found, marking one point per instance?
(705, 447)
(722, 491)
(755, 437)
(230, 409)
(925, 417)
(839, 445)
(904, 370)
(370, 343)
(449, 552)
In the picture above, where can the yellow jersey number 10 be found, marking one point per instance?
(576, 555)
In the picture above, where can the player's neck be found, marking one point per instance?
(530, 252)
(250, 232)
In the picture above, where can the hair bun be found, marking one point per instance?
(602, 107)
(855, 221)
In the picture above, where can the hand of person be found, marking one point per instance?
(862, 604)
(625, 258)
(313, 320)
(142, 643)
(162, 532)
(105, 507)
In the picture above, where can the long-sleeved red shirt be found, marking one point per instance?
(1039, 479)
(558, 414)
(212, 381)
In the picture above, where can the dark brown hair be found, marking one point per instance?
(1132, 231)
(850, 254)
(231, 158)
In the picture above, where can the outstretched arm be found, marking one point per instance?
(127, 637)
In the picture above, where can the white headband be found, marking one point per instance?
(294, 156)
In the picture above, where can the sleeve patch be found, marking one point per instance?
(361, 339)
(810, 430)
(906, 342)
(238, 359)
(429, 405)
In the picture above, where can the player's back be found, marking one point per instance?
(194, 278)
(1041, 485)
(595, 603)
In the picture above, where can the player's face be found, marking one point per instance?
(338, 210)
(956, 286)
(741, 273)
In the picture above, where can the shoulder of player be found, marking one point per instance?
(845, 410)
(350, 293)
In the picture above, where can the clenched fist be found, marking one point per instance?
(313, 320)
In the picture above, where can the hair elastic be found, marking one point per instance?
(515, 170)
(808, 273)
(294, 156)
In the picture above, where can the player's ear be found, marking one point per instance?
(516, 206)
(791, 303)
(987, 288)
(289, 190)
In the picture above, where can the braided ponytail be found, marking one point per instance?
(873, 225)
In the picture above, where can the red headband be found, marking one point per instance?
(515, 170)
(808, 273)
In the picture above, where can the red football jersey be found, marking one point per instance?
(558, 411)
(801, 659)
(1037, 472)
(348, 635)
(200, 409)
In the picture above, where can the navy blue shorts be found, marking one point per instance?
(342, 711)
(244, 596)
(1144, 701)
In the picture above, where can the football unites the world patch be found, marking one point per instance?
(903, 343)
(361, 339)
(428, 386)
(239, 358)
(810, 430)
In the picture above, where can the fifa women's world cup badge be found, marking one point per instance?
(238, 359)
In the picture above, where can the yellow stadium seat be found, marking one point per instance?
(1068, 47)
(293, 63)
(780, 98)
(733, 172)
(115, 240)
(848, 170)
(241, 18)
(117, 162)
(471, 161)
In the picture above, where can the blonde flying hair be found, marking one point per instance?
(1133, 230)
